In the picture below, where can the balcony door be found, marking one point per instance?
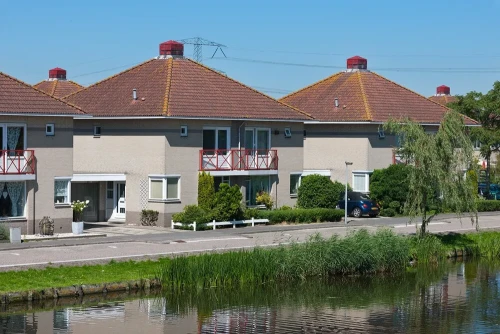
(257, 145)
(216, 148)
(12, 148)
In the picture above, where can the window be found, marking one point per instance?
(97, 131)
(381, 133)
(477, 145)
(288, 133)
(164, 188)
(49, 129)
(109, 190)
(13, 138)
(184, 130)
(62, 191)
(12, 199)
(218, 180)
(294, 184)
(254, 185)
(360, 181)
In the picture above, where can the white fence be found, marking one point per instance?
(214, 224)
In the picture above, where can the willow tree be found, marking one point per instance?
(438, 161)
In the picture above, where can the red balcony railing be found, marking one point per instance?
(16, 162)
(220, 160)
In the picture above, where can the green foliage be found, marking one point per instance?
(149, 217)
(473, 179)
(286, 207)
(436, 177)
(206, 191)
(427, 248)
(227, 203)
(190, 214)
(301, 215)
(4, 233)
(390, 184)
(265, 199)
(250, 213)
(486, 205)
(388, 212)
(396, 206)
(360, 252)
(317, 191)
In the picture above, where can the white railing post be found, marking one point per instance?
(234, 224)
(173, 226)
(194, 226)
(214, 224)
(253, 222)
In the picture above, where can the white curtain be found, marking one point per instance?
(61, 189)
(13, 134)
(15, 190)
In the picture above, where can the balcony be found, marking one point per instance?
(17, 165)
(238, 160)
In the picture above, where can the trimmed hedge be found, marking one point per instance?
(487, 205)
(300, 215)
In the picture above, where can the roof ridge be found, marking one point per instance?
(365, 98)
(311, 85)
(255, 90)
(170, 65)
(109, 78)
(54, 88)
(41, 91)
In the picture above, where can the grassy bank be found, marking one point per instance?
(359, 253)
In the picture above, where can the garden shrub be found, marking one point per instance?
(4, 233)
(227, 204)
(390, 184)
(206, 191)
(190, 214)
(149, 217)
(396, 206)
(250, 213)
(286, 207)
(265, 199)
(317, 191)
(301, 215)
(388, 212)
(488, 205)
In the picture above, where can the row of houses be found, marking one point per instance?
(138, 139)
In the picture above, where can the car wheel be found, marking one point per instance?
(356, 212)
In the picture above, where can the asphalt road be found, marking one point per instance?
(129, 242)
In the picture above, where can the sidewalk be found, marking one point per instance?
(172, 243)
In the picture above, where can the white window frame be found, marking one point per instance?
(366, 174)
(288, 133)
(300, 181)
(476, 144)
(95, 132)
(4, 133)
(184, 131)
(23, 217)
(217, 128)
(164, 178)
(68, 189)
(52, 132)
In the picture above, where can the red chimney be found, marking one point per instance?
(443, 90)
(57, 73)
(171, 48)
(357, 62)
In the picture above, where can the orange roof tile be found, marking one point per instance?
(179, 87)
(443, 99)
(364, 96)
(19, 97)
(58, 88)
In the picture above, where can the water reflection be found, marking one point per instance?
(451, 298)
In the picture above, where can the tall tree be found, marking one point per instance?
(438, 161)
(484, 108)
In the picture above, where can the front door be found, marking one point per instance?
(120, 200)
(257, 145)
(87, 192)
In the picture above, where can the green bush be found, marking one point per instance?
(396, 206)
(286, 207)
(227, 203)
(301, 215)
(206, 191)
(250, 213)
(388, 212)
(486, 205)
(4, 233)
(264, 198)
(190, 214)
(390, 184)
(149, 217)
(317, 191)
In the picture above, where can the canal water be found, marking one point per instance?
(446, 298)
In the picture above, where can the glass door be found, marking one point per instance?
(13, 146)
(216, 148)
(120, 200)
(257, 144)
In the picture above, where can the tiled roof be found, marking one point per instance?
(58, 88)
(179, 87)
(19, 97)
(364, 96)
(443, 99)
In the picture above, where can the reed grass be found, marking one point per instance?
(358, 253)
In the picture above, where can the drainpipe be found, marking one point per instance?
(239, 135)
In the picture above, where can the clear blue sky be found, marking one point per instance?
(95, 39)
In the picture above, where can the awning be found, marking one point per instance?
(97, 177)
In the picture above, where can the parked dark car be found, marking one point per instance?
(359, 204)
(494, 192)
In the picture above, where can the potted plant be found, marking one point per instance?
(78, 206)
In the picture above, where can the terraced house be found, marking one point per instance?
(349, 109)
(36, 156)
(155, 126)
